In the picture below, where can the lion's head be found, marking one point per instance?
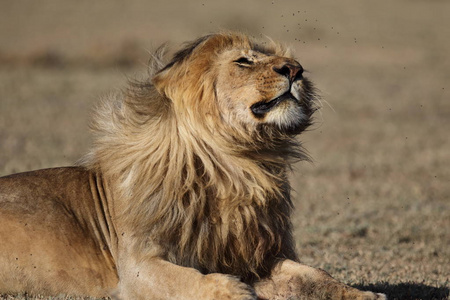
(243, 84)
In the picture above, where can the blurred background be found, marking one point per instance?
(373, 208)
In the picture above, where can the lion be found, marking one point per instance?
(184, 194)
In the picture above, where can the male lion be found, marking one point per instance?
(184, 194)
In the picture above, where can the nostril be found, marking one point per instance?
(299, 73)
(284, 70)
(292, 72)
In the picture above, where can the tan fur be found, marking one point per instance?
(188, 180)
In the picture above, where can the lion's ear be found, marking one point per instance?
(160, 82)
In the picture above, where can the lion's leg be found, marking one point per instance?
(291, 280)
(158, 279)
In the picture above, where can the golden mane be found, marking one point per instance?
(206, 194)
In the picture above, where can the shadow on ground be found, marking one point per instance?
(408, 291)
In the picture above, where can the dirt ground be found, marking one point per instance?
(373, 208)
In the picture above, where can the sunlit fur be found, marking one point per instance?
(197, 177)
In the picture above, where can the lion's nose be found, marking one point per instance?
(291, 71)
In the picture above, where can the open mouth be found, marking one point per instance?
(259, 109)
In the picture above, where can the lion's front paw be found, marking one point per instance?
(369, 296)
(225, 287)
(380, 296)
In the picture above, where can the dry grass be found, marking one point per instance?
(374, 207)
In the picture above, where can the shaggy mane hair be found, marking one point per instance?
(194, 189)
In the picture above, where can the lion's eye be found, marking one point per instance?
(243, 61)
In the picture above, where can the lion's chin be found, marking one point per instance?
(286, 115)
